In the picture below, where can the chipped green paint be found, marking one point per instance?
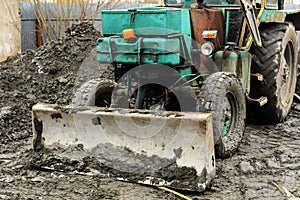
(154, 50)
(236, 62)
(146, 21)
(161, 33)
(273, 16)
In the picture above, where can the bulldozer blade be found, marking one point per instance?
(161, 148)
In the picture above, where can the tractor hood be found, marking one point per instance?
(147, 21)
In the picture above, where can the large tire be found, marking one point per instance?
(94, 92)
(222, 95)
(276, 60)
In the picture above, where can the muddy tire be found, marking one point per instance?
(95, 92)
(276, 60)
(222, 95)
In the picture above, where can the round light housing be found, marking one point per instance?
(207, 48)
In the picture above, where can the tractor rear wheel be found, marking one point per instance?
(94, 92)
(276, 60)
(222, 95)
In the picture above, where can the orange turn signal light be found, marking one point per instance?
(209, 34)
(128, 33)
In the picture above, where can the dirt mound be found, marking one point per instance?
(47, 75)
(66, 54)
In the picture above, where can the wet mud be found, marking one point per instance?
(120, 163)
(268, 154)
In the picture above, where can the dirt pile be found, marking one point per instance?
(67, 53)
(47, 75)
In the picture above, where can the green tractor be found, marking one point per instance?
(183, 72)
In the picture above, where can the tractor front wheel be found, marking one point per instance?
(222, 95)
(94, 92)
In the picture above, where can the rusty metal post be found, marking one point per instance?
(39, 34)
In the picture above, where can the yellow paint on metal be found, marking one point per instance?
(250, 39)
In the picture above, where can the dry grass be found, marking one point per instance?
(54, 17)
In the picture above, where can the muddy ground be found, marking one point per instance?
(268, 154)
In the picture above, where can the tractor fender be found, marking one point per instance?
(282, 16)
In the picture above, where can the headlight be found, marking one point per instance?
(207, 48)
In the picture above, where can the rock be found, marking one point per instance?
(30, 96)
(4, 111)
(62, 80)
(246, 167)
(18, 167)
(272, 163)
(28, 77)
(38, 179)
(296, 106)
(2, 196)
(61, 176)
(295, 124)
(95, 171)
(16, 93)
(7, 179)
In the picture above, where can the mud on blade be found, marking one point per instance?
(149, 147)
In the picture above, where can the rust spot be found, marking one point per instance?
(208, 19)
(275, 17)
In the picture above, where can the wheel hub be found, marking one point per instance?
(285, 90)
(227, 117)
(286, 73)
